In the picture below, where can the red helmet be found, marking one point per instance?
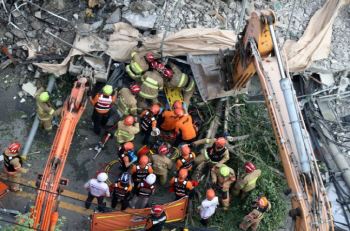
(220, 142)
(128, 146)
(129, 120)
(135, 89)
(14, 148)
(160, 68)
(185, 150)
(149, 57)
(179, 112)
(210, 194)
(249, 167)
(168, 73)
(143, 160)
(183, 174)
(157, 210)
(177, 104)
(163, 150)
(155, 109)
(154, 65)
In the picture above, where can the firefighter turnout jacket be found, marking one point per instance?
(212, 154)
(13, 163)
(179, 79)
(152, 83)
(138, 64)
(253, 219)
(127, 102)
(45, 110)
(186, 163)
(222, 182)
(169, 120)
(156, 223)
(247, 181)
(126, 133)
(161, 164)
(139, 174)
(144, 190)
(181, 186)
(121, 192)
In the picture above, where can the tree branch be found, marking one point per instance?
(269, 147)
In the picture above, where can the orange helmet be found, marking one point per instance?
(149, 57)
(163, 150)
(262, 202)
(249, 167)
(185, 150)
(183, 174)
(179, 112)
(128, 146)
(155, 109)
(220, 142)
(135, 89)
(129, 120)
(143, 160)
(177, 104)
(14, 148)
(210, 194)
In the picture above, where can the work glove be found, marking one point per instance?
(213, 185)
(139, 44)
(184, 105)
(43, 85)
(89, 93)
(193, 145)
(23, 158)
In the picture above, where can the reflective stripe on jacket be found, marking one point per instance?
(103, 103)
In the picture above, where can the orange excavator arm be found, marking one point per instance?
(257, 52)
(51, 185)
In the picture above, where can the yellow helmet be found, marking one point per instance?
(108, 89)
(44, 96)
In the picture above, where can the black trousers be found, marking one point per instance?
(100, 120)
(204, 222)
(179, 140)
(123, 202)
(99, 201)
(147, 135)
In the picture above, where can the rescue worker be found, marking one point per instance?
(217, 153)
(139, 63)
(144, 190)
(124, 156)
(121, 191)
(127, 101)
(222, 177)
(102, 104)
(13, 165)
(181, 185)
(127, 129)
(184, 129)
(186, 160)
(247, 181)
(156, 219)
(141, 170)
(252, 220)
(169, 119)
(149, 122)
(161, 164)
(175, 78)
(99, 189)
(208, 207)
(45, 110)
(152, 83)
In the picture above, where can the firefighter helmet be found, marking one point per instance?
(107, 90)
(210, 194)
(185, 150)
(220, 142)
(14, 148)
(160, 68)
(249, 167)
(154, 65)
(129, 120)
(149, 57)
(155, 109)
(44, 96)
(183, 174)
(143, 161)
(177, 104)
(102, 176)
(157, 210)
(128, 146)
(224, 171)
(135, 89)
(163, 150)
(262, 202)
(168, 73)
(179, 112)
(151, 179)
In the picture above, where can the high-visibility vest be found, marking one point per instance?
(143, 191)
(140, 174)
(104, 103)
(180, 188)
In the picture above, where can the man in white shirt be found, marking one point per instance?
(208, 206)
(97, 188)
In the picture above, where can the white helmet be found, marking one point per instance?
(102, 176)
(151, 179)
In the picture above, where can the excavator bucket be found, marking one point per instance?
(207, 71)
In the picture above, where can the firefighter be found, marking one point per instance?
(121, 191)
(127, 129)
(139, 63)
(152, 83)
(45, 110)
(208, 206)
(181, 185)
(217, 153)
(175, 78)
(185, 132)
(144, 190)
(149, 122)
(102, 104)
(161, 164)
(186, 160)
(127, 101)
(247, 181)
(13, 165)
(141, 170)
(99, 189)
(156, 219)
(222, 177)
(125, 156)
(252, 220)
